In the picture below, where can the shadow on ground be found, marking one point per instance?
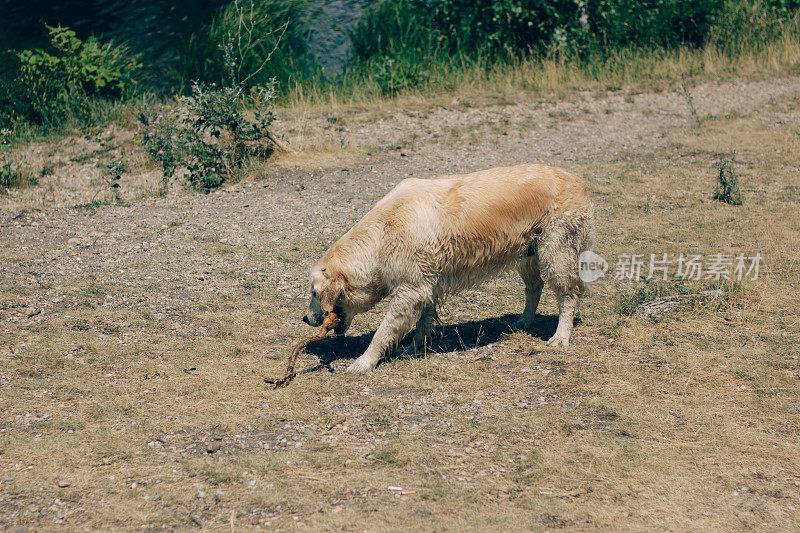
(449, 338)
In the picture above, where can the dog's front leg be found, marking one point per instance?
(404, 312)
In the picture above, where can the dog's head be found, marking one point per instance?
(329, 293)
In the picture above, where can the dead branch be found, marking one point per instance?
(330, 322)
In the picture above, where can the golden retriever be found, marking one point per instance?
(427, 239)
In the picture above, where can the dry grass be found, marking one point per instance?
(690, 422)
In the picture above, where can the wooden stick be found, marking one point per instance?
(330, 322)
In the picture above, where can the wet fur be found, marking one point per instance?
(427, 239)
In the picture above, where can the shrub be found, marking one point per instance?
(221, 134)
(53, 85)
(212, 132)
(727, 187)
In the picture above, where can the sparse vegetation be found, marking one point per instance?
(13, 174)
(727, 186)
(114, 171)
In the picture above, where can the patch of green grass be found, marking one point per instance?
(629, 299)
(392, 454)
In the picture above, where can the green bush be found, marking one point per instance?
(221, 133)
(406, 30)
(212, 132)
(51, 86)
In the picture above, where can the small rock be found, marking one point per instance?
(8, 480)
(74, 241)
(213, 447)
(200, 278)
(63, 483)
(201, 494)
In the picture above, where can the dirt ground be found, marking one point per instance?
(134, 338)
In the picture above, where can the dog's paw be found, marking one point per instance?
(360, 367)
(557, 341)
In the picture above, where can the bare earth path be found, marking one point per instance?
(133, 340)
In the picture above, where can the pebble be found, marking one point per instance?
(63, 483)
(8, 479)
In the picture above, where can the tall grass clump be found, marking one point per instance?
(268, 38)
(13, 174)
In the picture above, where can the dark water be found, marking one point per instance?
(331, 25)
(156, 28)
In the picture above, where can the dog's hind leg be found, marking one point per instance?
(424, 330)
(529, 270)
(560, 246)
(405, 310)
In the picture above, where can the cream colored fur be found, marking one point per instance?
(427, 239)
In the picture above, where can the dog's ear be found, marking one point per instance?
(336, 285)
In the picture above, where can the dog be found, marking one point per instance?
(429, 238)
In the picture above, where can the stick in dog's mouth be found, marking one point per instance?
(329, 323)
